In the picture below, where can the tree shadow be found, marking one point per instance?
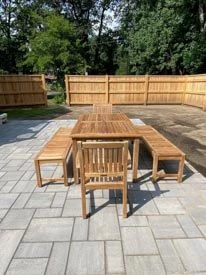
(26, 130)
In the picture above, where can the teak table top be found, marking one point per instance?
(116, 125)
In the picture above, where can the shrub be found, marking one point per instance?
(59, 99)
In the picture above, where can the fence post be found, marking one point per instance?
(44, 88)
(107, 89)
(66, 79)
(146, 89)
(185, 90)
(204, 103)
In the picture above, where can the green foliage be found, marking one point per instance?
(54, 47)
(72, 37)
(56, 86)
(59, 99)
(164, 37)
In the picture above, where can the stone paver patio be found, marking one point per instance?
(42, 232)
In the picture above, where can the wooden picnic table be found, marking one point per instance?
(115, 126)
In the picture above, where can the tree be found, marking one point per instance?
(165, 37)
(54, 47)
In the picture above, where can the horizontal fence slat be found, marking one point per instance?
(80, 92)
(127, 81)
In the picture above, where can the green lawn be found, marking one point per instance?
(50, 111)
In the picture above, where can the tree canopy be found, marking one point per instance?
(103, 36)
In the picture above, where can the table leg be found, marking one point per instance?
(135, 159)
(74, 156)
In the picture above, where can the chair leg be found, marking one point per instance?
(74, 155)
(84, 210)
(124, 191)
(64, 164)
(135, 159)
(155, 168)
(181, 169)
(38, 173)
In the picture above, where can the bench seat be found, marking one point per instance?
(161, 149)
(56, 150)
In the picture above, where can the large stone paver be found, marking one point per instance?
(103, 225)
(9, 240)
(86, 258)
(170, 257)
(138, 241)
(72, 208)
(166, 227)
(11, 175)
(42, 230)
(81, 227)
(33, 250)
(24, 186)
(17, 219)
(58, 259)
(142, 203)
(48, 213)
(114, 258)
(6, 200)
(42, 200)
(192, 253)
(169, 206)
(49, 229)
(27, 266)
(189, 226)
(147, 265)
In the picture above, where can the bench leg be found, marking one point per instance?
(38, 173)
(155, 167)
(181, 169)
(64, 163)
(135, 159)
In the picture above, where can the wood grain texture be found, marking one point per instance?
(115, 126)
(103, 165)
(161, 149)
(22, 90)
(56, 150)
(148, 89)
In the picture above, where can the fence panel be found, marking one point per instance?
(165, 89)
(126, 89)
(85, 89)
(22, 90)
(195, 94)
(154, 89)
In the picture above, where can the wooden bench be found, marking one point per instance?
(161, 149)
(56, 150)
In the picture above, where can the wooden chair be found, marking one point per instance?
(103, 165)
(56, 150)
(102, 108)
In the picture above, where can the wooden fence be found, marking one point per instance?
(22, 90)
(158, 89)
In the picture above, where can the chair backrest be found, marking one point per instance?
(102, 108)
(103, 160)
